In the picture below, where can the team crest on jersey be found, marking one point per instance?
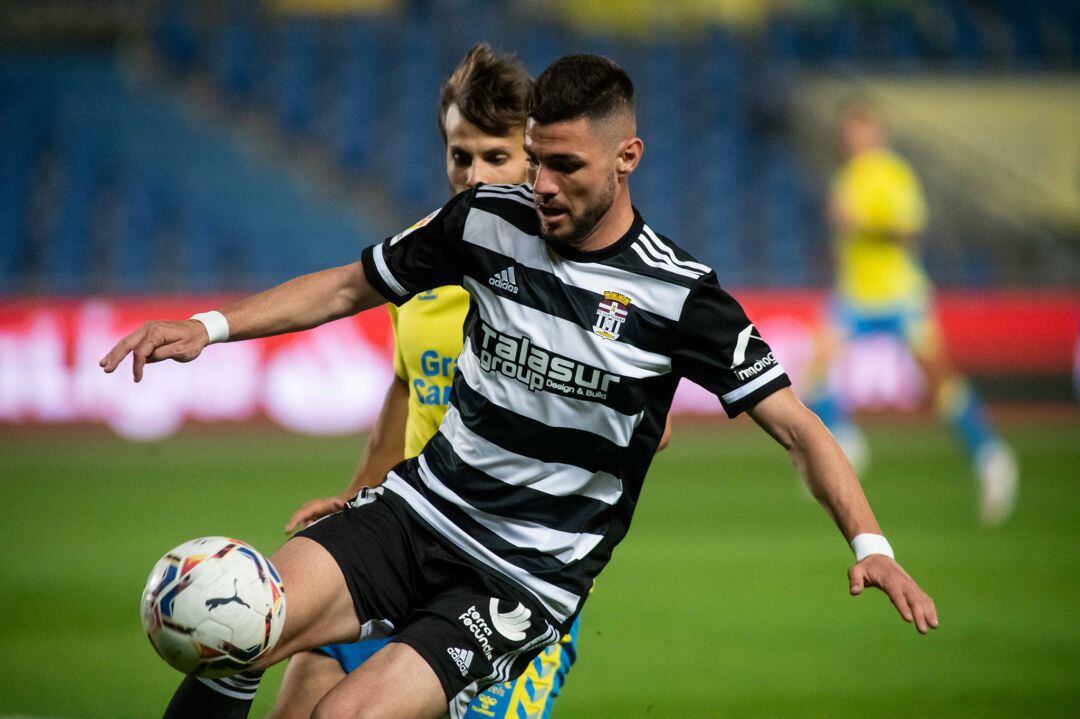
(412, 228)
(611, 314)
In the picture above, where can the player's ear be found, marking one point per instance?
(629, 155)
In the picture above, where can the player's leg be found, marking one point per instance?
(308, 677)
(395, 683)
(959, 405)
(822, 400)
(319, 610)
(464, 639)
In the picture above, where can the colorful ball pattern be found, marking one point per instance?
(212, 606)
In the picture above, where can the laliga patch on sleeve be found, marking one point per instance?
(414, 227)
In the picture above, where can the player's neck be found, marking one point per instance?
(612, 226)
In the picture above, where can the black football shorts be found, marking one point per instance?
(472, 627)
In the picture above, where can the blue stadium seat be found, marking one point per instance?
(358, 107)
(236, 50)
(294, 74)
(719, 175)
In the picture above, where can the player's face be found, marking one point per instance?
(474, 156)
(860, 133)
(572, 170)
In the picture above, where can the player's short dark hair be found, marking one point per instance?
(489, 89)
(580, 86)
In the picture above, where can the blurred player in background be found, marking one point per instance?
(482, 120)
(877, 211)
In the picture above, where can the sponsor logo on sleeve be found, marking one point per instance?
(738, 359)
(413, 228)
(754, 369)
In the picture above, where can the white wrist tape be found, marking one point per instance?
(866, 544)
(217, 327)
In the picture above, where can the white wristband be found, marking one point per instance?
(217, 327)
(866, 544)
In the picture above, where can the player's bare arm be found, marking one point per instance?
(299, 304)
(385, 448)
(830, 478)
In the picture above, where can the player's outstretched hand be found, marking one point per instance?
(914, 605)
(312, 510)
(156, 341)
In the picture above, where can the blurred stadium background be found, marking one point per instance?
(157, 157)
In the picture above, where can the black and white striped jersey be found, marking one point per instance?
(569, 365)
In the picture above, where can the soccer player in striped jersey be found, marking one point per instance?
(481, 116)
(878, 211)
(481, 551)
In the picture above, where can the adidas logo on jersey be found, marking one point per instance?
(462, 657)
(504, 280)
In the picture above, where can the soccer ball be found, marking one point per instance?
(212, 606)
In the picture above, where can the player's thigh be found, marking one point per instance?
(309, 676)
(923, 336)
(319, 608)
(828, 340)
(396, 683)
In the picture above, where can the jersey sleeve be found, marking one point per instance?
(399, 361)
(719, 348)
(423, 257)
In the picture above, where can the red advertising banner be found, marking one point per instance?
(332, 379)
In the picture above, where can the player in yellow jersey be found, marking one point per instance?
(877, 210)
(482, 119)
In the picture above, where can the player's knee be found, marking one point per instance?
(338, 706)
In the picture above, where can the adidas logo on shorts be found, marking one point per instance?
(504, 280)
(462, 657)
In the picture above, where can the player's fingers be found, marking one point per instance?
(926, 606)
(918, 613)
(900, 602)
(309, 512)
(120, 350)
(323, 508)
(181, 351)
(139, 356)
(298, 517)
(856, 580)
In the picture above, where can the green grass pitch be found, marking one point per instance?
(728, 598)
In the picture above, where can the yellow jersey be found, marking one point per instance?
(881, 206)
(427, 342)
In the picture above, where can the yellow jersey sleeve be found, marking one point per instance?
(399, 362)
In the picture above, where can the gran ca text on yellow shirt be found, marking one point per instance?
(427, 342)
